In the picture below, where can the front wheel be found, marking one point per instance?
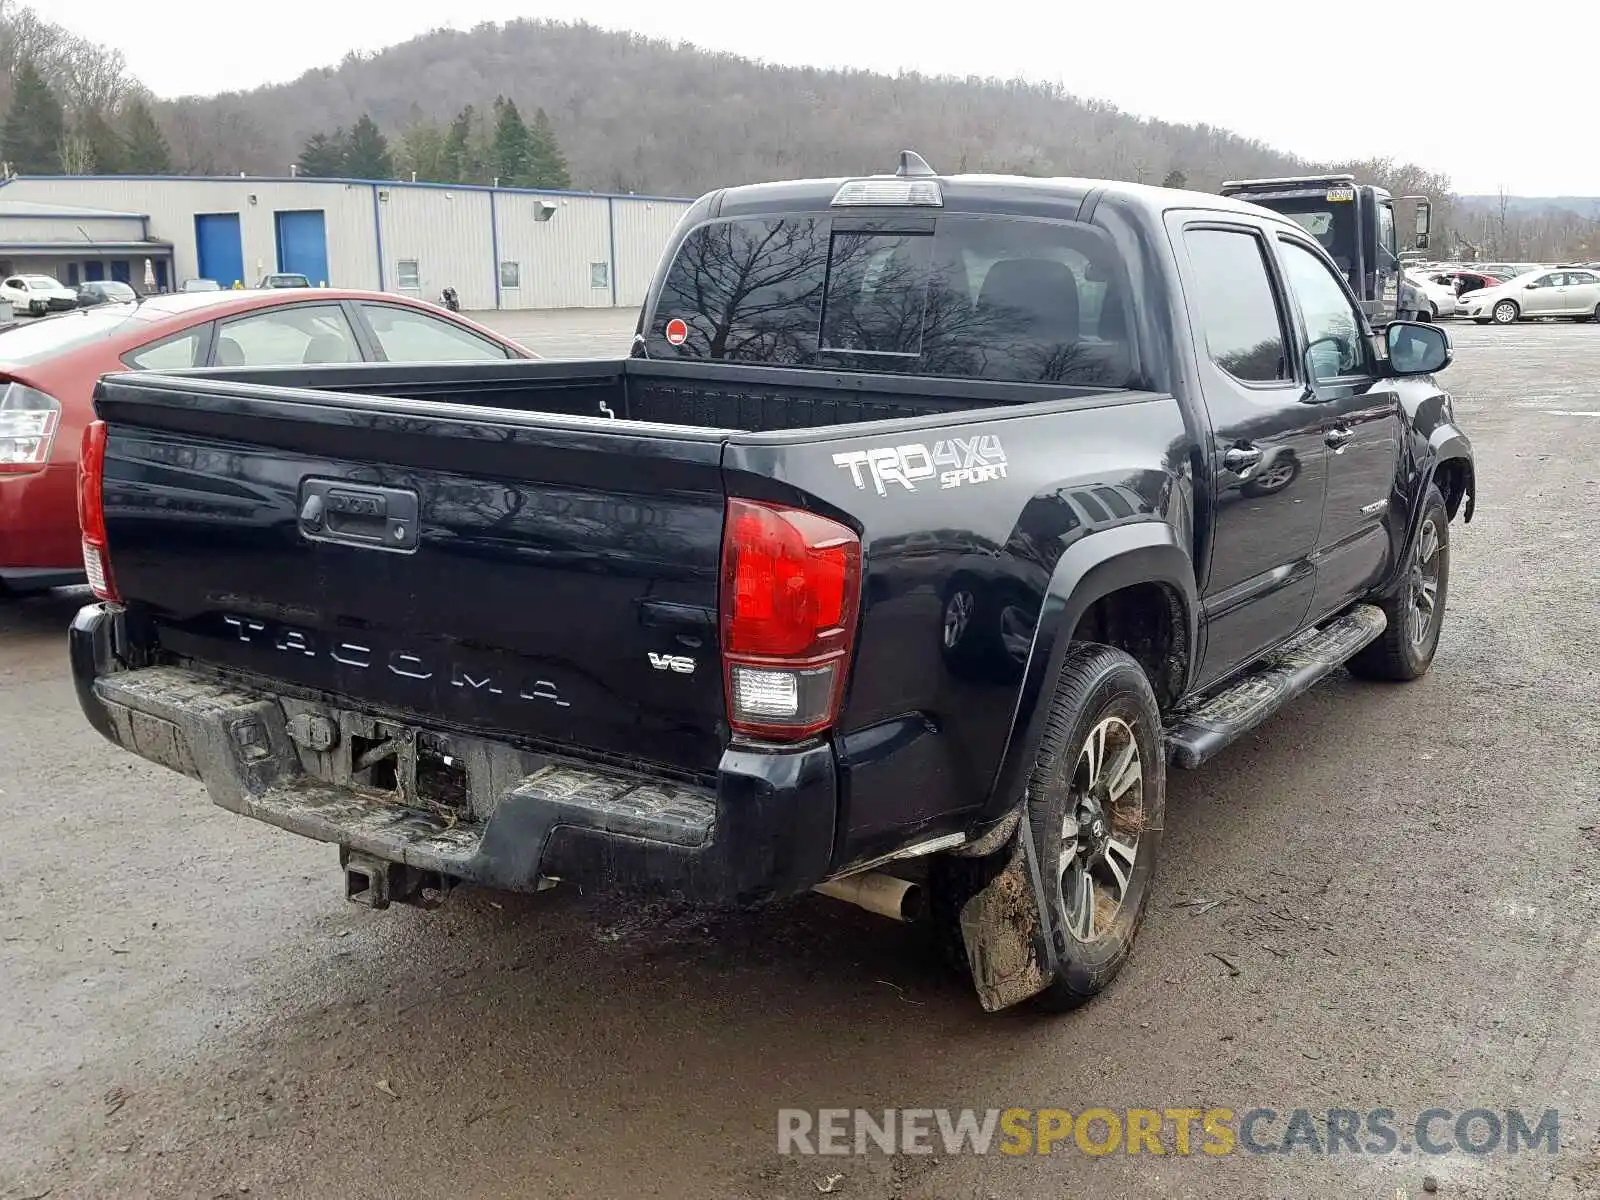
(1096, 806)
(1506, 312)
(1405, 649)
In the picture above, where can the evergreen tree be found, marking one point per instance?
(144, 146)
(324, 155)
(458, 146)
(31, 137)
(512, 147)
(1175, 179)
(367, 152)
(106, 153)
(423, 149)
(549, 167)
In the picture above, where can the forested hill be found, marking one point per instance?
(635, 114)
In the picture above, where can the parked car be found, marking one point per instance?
(48, 370)
(104, 291)
(1543, 293)
(200, 285)
(37, 295)
(284, 280)
(1438, 291)
(1468, 279)
(905, 578)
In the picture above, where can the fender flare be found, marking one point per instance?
(1094, 567)
(1447, 444)
(1451, 445)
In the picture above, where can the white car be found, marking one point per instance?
(1574, 293)
(37, 294)
(1439, 289)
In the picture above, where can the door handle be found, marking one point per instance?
(1240, 459)
(1336, 438)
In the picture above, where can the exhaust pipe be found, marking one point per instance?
(877, 892)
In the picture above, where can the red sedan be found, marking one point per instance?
(48, 370)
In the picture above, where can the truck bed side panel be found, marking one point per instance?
(958, 558)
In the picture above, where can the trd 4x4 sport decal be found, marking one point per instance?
(955, 462)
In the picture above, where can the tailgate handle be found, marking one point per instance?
(354, 514)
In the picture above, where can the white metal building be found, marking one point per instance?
(498, 247)
(78, 243)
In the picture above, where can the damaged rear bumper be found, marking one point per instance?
(764, 831)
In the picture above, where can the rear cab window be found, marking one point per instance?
(960, 296)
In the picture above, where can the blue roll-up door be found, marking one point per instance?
(93, 272)
(217, 246)
(303, 244)
(120, 271)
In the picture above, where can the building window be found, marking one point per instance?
(599, 275)
(510, 275)
(407, 276)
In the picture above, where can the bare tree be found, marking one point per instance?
(77, 155)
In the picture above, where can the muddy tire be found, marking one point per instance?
(1096, 806)
(1405, 649)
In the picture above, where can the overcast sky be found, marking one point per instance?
(1302, 77)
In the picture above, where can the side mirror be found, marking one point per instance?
(1424, 222)
(1416, 349)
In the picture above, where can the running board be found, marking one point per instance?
(1289, 671)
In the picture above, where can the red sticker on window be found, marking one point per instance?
(677, 331)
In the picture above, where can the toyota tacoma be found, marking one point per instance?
(927, 522)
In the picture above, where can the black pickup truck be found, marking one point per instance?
(927, 521)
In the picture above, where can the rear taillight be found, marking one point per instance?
(791, 589)
(28, 422)
(92, 511)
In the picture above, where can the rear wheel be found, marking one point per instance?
(1096, 806)
(1415, 612)
(1506, 312)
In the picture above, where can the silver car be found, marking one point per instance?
(1572, 293)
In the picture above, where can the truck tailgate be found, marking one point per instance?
(544, 577)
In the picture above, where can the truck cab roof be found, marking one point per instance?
(1008, 195)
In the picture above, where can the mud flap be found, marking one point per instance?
(1007, 930)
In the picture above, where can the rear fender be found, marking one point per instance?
(1105, 562)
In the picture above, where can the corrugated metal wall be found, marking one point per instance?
(84, 229)
(642, 230)
(594, 252)
(446, 234)
(564, 262)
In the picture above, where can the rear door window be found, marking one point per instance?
(1236, 304)
(1006, 299)
(301, 333)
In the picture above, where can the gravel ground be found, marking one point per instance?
(1409, 881)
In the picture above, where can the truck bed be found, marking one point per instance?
(726, 397)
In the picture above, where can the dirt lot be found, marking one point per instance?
(1409, 882)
